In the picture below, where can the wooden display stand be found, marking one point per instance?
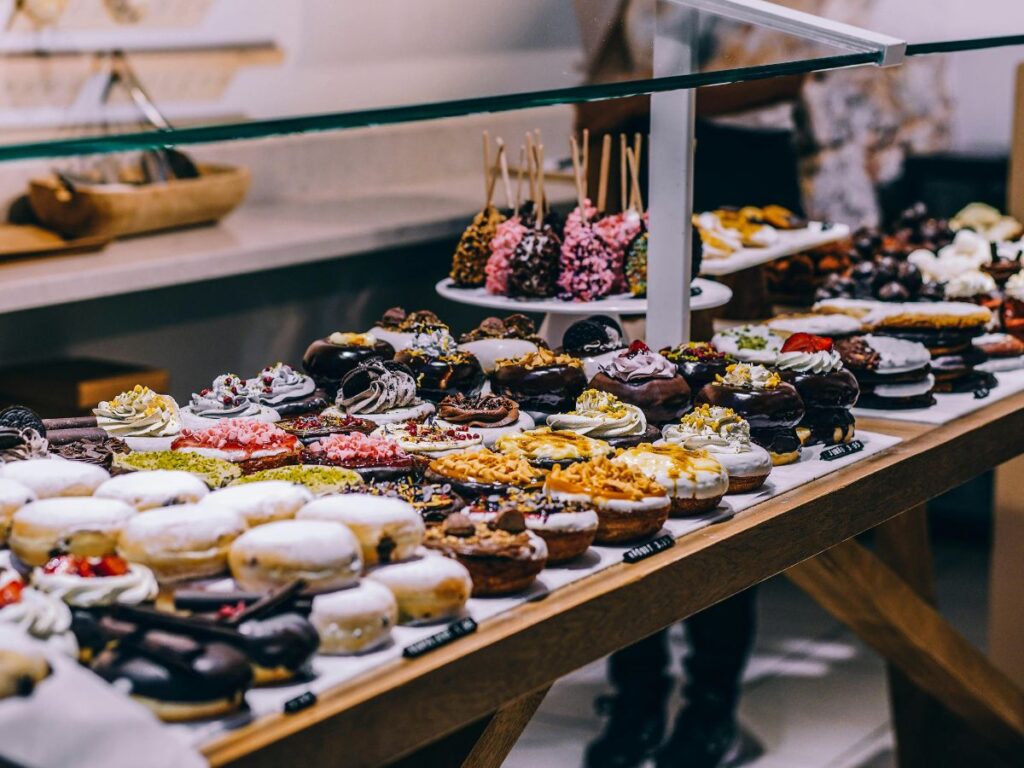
(467, 702)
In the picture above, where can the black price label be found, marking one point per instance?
(660, 544)
(981, 392)
(453, 631)
(300, 702)
(838, 451)
(696, 290)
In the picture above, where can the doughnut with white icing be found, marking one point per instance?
(80, 526)
(354, 620)
(264, 501)
(428, 588)
(154, 488)
(389, 529)
(56, 477)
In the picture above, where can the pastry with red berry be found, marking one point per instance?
(227, 398)
(252, 445)
(80, 526)
(42, 616)
(429, 439)
(373, 458)
(287, 391)
(647, 380)
(95, 582)
(814, 366)
(316, 426)
(328, 360)
(491, 416)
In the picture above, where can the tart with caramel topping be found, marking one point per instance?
(630, 505)
(545, 447)
(694, 479)
(476, 473)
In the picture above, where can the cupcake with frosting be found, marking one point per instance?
(641, 377)
(724, 434)
(281, 387)
(380, 391)
(603, 416)
(814, 366)
(145, 420)
(228, 397)
(490, 416)
(439, 367)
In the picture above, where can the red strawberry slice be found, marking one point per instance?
(807, 342)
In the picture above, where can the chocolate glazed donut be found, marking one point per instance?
(663, 400)
(438, 377)
(772, 413)
(328, 363)
(552, 389)
(700, 372)
(836, 389)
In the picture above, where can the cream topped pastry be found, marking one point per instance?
(749, 343)
(810, 361)
(21, 443)
(971, 285)
(545, 447)
(644, 378)
(36, 613)
(251, 444)
(139, 413)
(91, 582)
(430, 440)
(382, 392)
(227, 398)
(641, 364)
(725, 435)
(1014, 287)
(695, 480)
(281, 387)
(602, 415)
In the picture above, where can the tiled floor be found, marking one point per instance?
(814, 696)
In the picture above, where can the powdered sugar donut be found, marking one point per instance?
(154, 488)
(388, 529)
(56, 477)
(354, 620)
(81, 526)
(428, 588)
(323, 554)
(264, 501)
(189, 541)
(13, 496)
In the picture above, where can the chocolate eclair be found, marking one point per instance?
(771, 406)
(328, 360)
(439, 367)
(542, 382)
(647, 380)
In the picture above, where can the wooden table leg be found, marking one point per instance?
(886, 613)
(483, 744)
(1006, 599)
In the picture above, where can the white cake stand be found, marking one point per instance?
(559, 315)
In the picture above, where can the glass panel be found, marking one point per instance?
(245, 68)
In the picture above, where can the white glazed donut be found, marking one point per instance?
(56, 477)
(388, 529)
(428, 588)
(323, 554)
(13, 496)
(188, 541)
(354, 620)
(153, 488)
(695, 480)
(79, 526)
(263, 501)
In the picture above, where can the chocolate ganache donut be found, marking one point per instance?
(813, 365)
(439, 367)
(328, 360)
(542, 382)
(647, 380)
(698, 362)
(771, 406)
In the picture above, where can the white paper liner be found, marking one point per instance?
(333, 671)
(950, 406)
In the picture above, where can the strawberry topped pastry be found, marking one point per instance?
(252, 445)
(641, 377)
(42, 616)
(92, 582)
(373, 457)
(430, 439)
(814, 366)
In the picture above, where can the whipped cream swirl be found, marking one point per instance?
(822, 361)
(139, 412)
(600, 415)
(279, 383)
(227, 398)
(712, 428)
(38, 614)
(749, 377)
(386, 388)
(634, 366)
(1014, 287)
(137, 586)
(970, 284)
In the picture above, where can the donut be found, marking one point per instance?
(13, 496)
(80, 526)
(262, 502)
(322, 554)
(428, 588)
(153, 488)
(189, 541)
(22, 664)
(354, 620)
(388, 529)
(695, 480)
(56, 477)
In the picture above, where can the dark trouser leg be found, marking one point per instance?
(720, 640)
(643, 665)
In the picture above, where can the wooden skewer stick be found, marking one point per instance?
(636, 198)
(638, 143)
(519, 179)
(530, 167)
(586, 162)
(576, 173)
(503, 162)
(602, 182)
(495, 172)
(487, 165)
(543, 202)
(623, 174)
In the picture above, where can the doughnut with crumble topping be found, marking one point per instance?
(695, 480)
(484, 472)
(544, 447)
(373, 458)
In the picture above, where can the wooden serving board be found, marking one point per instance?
(21, 240)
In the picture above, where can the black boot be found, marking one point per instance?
(635, 728)
(707, 735)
